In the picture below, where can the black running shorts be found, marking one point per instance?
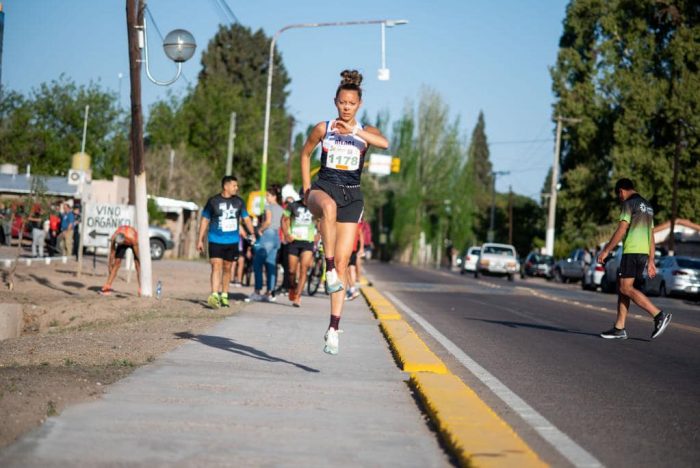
(633, 266)
(348, 199)
(120, 251)
(226, 252)
(298, 247)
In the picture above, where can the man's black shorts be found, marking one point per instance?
(348, 199)
(633, 266)
(298, 247)
(120, 251)
(226, 252)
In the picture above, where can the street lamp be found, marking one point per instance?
(266, 135)
(179, 45)
(383, 73)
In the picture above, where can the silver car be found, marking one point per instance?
(675, 275)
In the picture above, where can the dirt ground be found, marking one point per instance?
(75, 342)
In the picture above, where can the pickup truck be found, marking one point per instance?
(497, 259)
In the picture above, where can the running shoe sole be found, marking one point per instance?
(613, 337)
(662, 328)
(334, 288)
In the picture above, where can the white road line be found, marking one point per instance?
(569, 449)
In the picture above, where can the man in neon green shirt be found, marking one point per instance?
(299, 230)
(636, 233)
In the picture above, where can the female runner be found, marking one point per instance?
(335, 197)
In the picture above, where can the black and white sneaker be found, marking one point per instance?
(614, 334)
(661, 321)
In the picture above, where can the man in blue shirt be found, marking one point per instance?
(221, 219)
(65, 238)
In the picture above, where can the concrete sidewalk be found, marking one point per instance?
(256, 390)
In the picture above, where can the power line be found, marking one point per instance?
(520, 142)
(229, 10)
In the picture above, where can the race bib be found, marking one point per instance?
(229, 225)
(300, 232)
(343, 158)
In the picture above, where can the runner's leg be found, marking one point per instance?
(216, 267)
(226, 279)
(322, 206)
(306, 260)
(623, 305)
(627, 288)
(345, 236)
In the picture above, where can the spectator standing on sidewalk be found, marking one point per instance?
(54, 230)
(5, 224)
(267, 245)
(36, 224)
(65, 238)
(221, 220)
(76, 231)
(335, 197)
(638, 247)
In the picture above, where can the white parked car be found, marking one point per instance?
(497, 259)
(593, 276)
(470, 259)
(675, 275)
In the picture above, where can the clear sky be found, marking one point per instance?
(479, 55)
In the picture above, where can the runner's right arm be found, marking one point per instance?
(312, 141)
(203, 226)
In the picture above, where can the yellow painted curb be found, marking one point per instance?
(409, 349)
(476, 434)
(383, 309)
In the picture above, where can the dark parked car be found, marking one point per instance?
(571, 268)
(537, 264)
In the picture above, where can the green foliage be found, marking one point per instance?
(155, 216)
(45, 128)
(629, 70)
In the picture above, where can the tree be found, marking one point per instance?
(479, 169)
(45, 128)
(629, 70)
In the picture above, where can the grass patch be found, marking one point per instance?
(53, 323)
(68, 362)
(122, 363)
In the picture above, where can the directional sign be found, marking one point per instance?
(380, 164)
(101, 220)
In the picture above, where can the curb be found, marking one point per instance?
(470, 428)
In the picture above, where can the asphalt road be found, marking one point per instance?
(626, 403)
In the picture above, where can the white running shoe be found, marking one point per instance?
(331, 338)
(333, 284)
(255, 297)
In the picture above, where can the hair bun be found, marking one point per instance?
(350, 77)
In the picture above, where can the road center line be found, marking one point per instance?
(569, 449)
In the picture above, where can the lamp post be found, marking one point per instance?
(266, 134)
(179, 46)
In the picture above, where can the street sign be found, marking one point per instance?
(380, 164)
(101, 220)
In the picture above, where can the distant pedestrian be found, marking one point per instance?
(123, 239)
(300, 232)
(36, 224)
(635, 230)
(65, 238)
(221, 220)
(267, 245)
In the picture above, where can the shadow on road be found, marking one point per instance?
(227, 344)
(47, 283)
(510, 324)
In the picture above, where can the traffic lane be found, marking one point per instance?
(594, 390)
(551, 355)
(684, 311)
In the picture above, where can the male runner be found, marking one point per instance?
(221, 219)
(124, 238)
(638, 248)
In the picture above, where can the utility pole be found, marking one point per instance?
(171, 168)
(137, 186)
(674, 197)
(231, 139)
(551, 218)
(494, 175)
(510, 214)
